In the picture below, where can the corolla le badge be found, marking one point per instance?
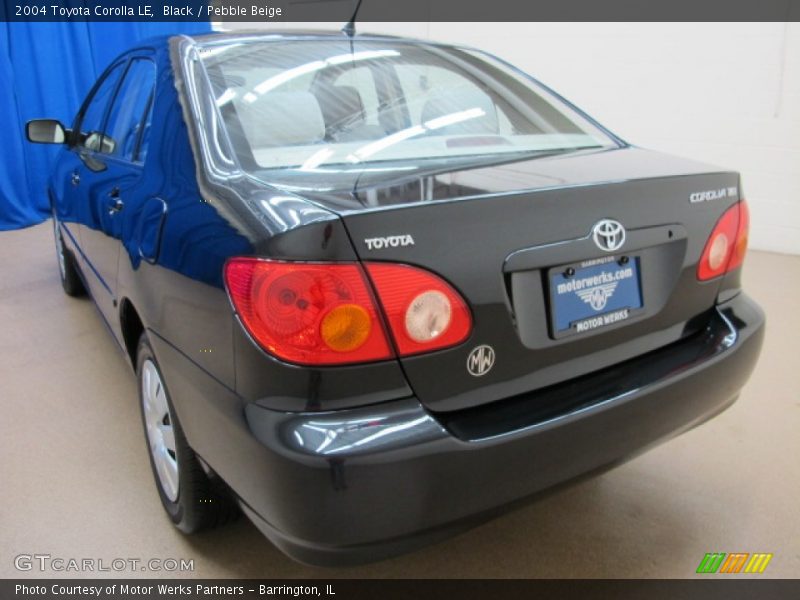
(481, 360)
(709, 195)
(609, 235)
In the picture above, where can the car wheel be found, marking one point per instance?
(67, 269)
(192, 500)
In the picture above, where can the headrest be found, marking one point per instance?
(341, 106)
(282, 119)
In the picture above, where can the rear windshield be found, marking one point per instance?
(317, 106)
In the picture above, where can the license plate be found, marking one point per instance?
(594, 294)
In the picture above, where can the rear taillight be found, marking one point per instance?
(326, 314)
(424, 312)
(727, 244)
(313, 314)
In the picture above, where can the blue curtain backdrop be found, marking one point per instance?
(46, 70)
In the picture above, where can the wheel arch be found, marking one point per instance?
(132, 328)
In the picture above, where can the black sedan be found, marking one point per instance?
(376, 289)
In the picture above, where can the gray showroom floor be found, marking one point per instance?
(75, 481)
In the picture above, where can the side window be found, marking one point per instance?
(128, 125)
(90, 124)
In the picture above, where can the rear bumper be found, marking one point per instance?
(359, 485)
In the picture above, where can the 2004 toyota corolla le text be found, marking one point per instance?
(375, 289)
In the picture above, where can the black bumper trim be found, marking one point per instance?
(359, 485)
(554, 402)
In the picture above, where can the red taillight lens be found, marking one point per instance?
(726, 247)
(424, 312)
(313, 314)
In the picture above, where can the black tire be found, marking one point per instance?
(67, 269)
(201, 503)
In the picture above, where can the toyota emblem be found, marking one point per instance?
(609, 235)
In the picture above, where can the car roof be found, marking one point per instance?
(256, 34)
(294, 34)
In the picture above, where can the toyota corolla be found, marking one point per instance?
(375, 290)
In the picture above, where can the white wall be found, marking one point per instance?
(723, 93)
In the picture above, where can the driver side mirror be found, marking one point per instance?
(45, 131)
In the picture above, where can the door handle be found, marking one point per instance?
(75, 178)
(115, 206)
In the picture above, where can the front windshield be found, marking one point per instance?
(295, 107)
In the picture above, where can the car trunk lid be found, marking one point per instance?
(505, 236)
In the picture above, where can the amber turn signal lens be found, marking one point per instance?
(345, 328)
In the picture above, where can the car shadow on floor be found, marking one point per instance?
(587, 530)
